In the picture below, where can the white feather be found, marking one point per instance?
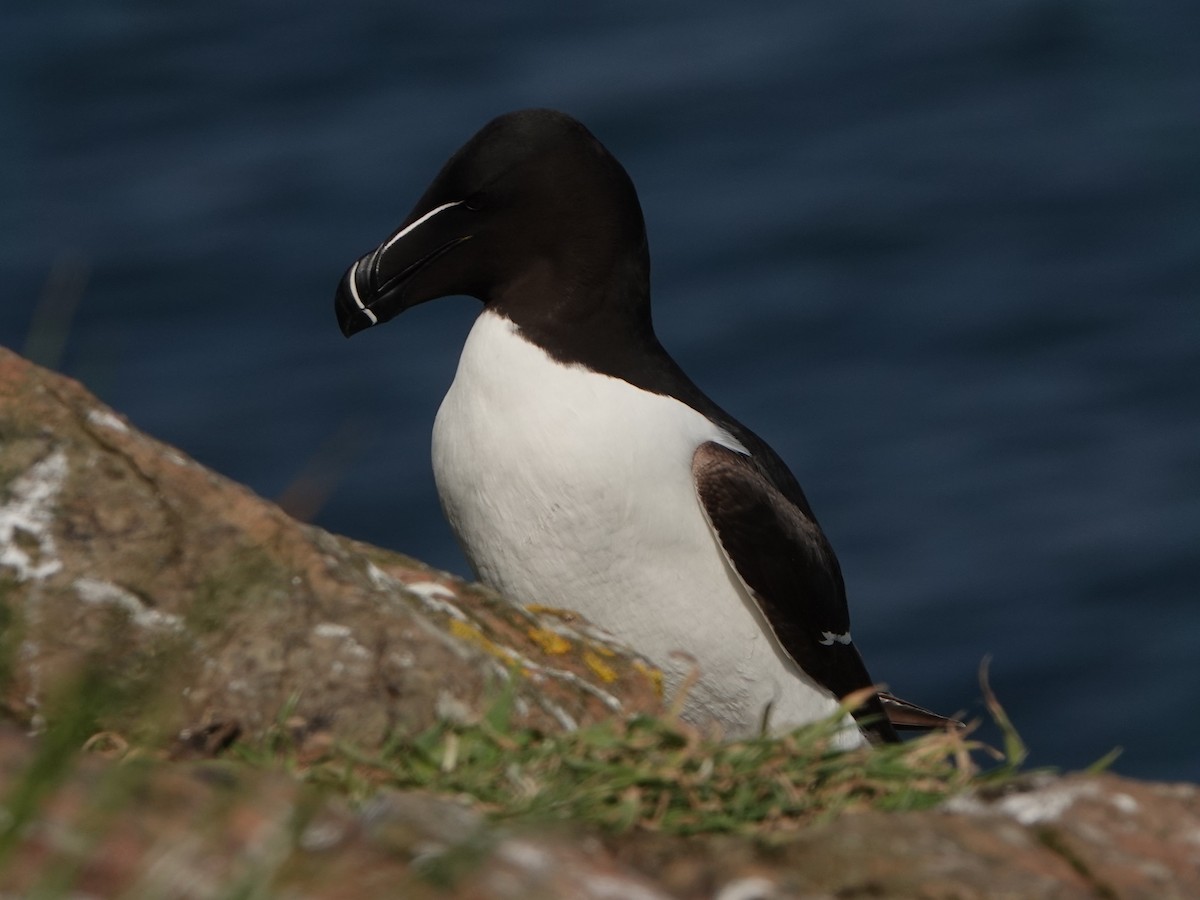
(573, 489)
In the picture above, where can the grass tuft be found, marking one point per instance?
(657, 774)
(1015, 752)
(647, 775)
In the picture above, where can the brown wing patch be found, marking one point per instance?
(784, 560)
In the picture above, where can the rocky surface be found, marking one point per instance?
(212, 829)
(116, 547)
(217, 615)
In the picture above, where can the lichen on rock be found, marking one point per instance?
(117, 546)
(210, 615)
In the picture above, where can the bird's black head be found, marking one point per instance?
(533, 216)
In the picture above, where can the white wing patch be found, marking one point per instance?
(828, 638)
(728, 441)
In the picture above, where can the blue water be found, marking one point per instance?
(945, 257)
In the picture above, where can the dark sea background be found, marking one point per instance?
(944, 256)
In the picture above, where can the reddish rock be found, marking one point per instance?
(198, 614)
(222, 612)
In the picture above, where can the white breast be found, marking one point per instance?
(571, 489)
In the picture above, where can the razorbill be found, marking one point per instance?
(577, 463)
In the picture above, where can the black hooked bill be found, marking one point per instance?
(373, 290)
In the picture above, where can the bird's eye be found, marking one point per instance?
(475, 202)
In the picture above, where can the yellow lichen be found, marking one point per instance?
(550, 642)
(603, 670)
(472, 635)
(655, 676)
